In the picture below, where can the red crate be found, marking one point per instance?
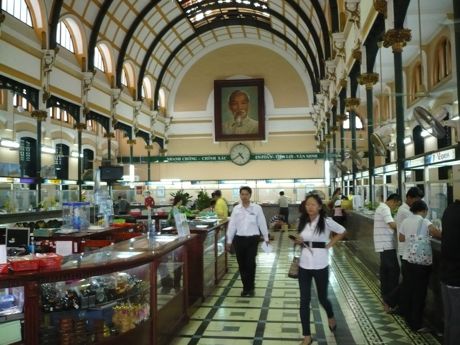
(49, 261)
(23, 263)
(3, 268)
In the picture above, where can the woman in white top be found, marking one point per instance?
(416, 277)
(314, 235)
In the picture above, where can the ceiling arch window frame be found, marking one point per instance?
(19, 10)
(442, 64)
(314, 81)
(99, 62)
(64, 37)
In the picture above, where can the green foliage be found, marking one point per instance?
(185, 197)
(203, 200)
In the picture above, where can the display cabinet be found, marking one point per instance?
(207, 258)
(11, 315)
(133, 291)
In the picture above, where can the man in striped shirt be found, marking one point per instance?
(385, 244)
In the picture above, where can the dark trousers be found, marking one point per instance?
(246, 251)
(451, 302)
(321, 281)
(389, 277)
(413, 293)
(284, 211)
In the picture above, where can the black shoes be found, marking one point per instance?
(249, 293)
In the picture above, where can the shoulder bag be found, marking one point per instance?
(418, 249)
(294, 268)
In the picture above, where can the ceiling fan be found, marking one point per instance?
(381, 139)
(357, 158)
(434, 124)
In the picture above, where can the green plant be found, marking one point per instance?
(185, 197)
(203, 200)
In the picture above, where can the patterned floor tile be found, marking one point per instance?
(272, 317)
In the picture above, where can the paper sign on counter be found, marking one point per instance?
(64, 247)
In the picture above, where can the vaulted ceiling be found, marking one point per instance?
(161, 37)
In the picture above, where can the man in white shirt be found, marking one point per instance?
(283, 202)
(246, 224)
(385, 244)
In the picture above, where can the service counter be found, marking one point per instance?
(207, 257)
(360, 230)
(132, 292)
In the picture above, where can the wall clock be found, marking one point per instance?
(240, 154)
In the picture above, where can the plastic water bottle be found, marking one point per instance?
(32, 245)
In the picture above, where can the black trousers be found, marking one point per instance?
(389, 277)
(284, 211)
(321, 281)
(246, 251)
(413, 293)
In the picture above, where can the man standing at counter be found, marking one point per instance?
(450, 272)
(385, 244)
(283, 202)
(246, 224)
(221, 208)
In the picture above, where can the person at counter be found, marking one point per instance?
(384, 243)
(221, 208)
(149, 202)
(450, 272)
(416, 278)
(122, 205)
(246, 225)
(283, 203)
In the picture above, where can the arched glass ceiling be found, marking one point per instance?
(201, 12)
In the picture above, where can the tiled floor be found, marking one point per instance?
(272, 317)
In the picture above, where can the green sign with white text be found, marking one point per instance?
(221, 158)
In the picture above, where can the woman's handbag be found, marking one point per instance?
(294, 268)
(418, 249)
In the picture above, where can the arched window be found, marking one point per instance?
(443, 60)
(416, 82)
(63, 37)
(124, 80)
(98, 60)
(146, 88)
(18, 9)
(358, 122)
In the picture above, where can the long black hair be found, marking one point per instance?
(305, 218)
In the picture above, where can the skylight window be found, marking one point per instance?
(201, 12)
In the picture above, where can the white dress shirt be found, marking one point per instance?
(384, 237)
(247, 221)
(403, 213)
(317, 258)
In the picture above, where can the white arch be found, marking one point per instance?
(147, 83)
(76, 31)
(303, 74)
(129, 69)
(107, 55)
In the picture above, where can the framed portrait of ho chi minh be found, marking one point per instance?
(239, 110)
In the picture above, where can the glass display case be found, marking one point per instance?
(209, 259)
(11, 314)
(131, 292)
(92, 309)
